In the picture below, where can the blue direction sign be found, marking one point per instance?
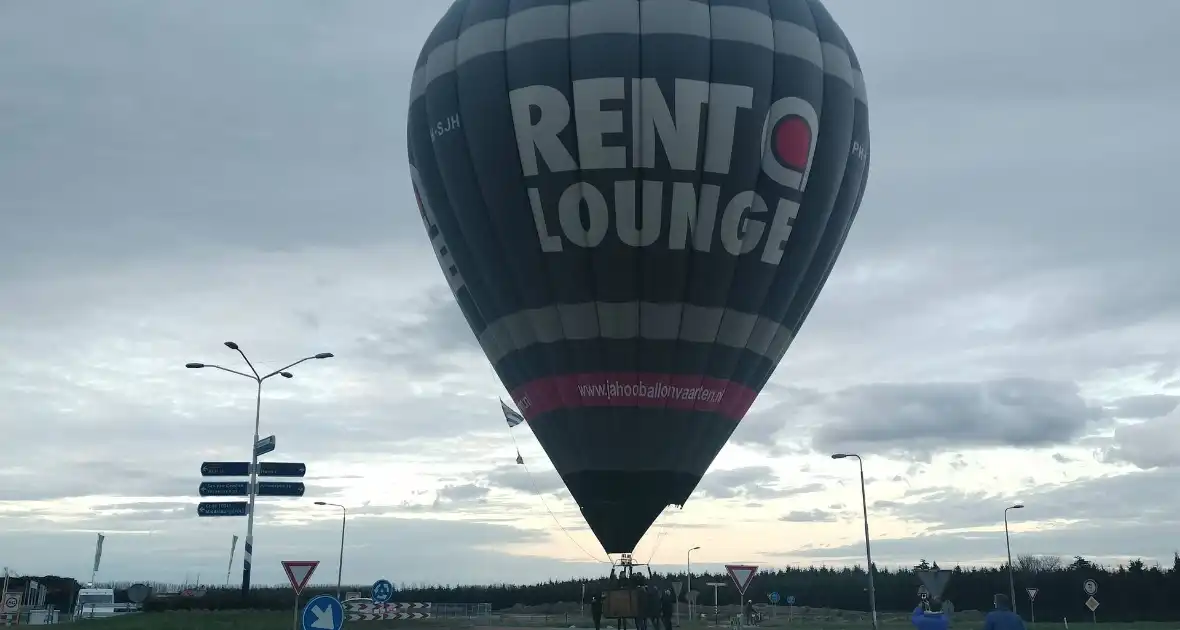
(281, 488)
(790, 600)
(225, 469)
(382, 591)
(281, 469)
(323, 612)
(264, 446)
(773, 597)
(223, 508)
(224, 488)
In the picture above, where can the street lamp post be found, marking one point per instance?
(868, 547)
(343, 522)
(688, 587)
(1008, 543)
(258, 379)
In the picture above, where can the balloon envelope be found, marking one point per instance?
(635, 204)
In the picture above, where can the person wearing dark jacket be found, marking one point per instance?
(929, 619)
(667, 603)
(1002, 618)
(596, 611)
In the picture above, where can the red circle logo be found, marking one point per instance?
(791, 142)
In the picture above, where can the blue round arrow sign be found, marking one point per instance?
(382, 591)
(774, 598)
(323, 612)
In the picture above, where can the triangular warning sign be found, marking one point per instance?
(299, 572)
(935, 581)
(741, 574)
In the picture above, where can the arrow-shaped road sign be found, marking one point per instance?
(323, 612)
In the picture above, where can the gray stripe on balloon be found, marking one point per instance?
(588, 18)
(636, 320)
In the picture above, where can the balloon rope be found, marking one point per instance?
(546, 504)
(659, 539)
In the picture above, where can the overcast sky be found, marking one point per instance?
(1004, 323)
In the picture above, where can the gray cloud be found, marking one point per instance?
(923, 418)
(1148, 444)
(1128, 521)
(809, 516)
(750, 482)
(1126, 497)
(514, 477)
(1143, 407)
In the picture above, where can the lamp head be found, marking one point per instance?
(231, 345)
(194, 366)
(320, 503)
(324, 355)
(839, 455)
(286, 375)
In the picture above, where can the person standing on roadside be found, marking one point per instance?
(596, 611)
(667, 603)
(1002, 618)
(926, 617)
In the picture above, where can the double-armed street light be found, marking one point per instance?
(868, 547)
(258, 379)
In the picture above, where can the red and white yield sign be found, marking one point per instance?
(741, 574)
(299, 572)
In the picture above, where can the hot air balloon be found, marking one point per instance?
(635, 204)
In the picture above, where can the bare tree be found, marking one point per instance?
(1031, 564)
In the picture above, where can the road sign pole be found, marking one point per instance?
(295, 615)
(248, 551)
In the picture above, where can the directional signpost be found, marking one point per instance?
(773, 598)
(264, 445)
(223, 508)
(281, 488)
(298, 573)
(323, 612)
(281, 469)
(225, 469)
(1032, 597)
(382, 591)
(716, 608)
(224, 488)
(791, 610)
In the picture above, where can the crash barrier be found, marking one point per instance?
(369, 611)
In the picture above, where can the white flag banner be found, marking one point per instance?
(98, 553)
(511, 415)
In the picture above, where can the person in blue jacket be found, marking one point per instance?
(931, 619)
(1002, 618)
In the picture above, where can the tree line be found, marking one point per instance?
(1134, 591)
